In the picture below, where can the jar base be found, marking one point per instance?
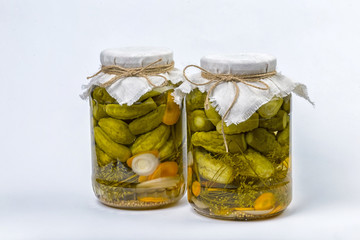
(137, 205)
(137, 199)
(238, 215)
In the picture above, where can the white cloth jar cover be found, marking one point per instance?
(128, 90)
(250, 98)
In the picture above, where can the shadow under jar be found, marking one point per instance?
(136, 148)
(253, 179)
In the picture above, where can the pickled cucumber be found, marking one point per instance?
(214, 142)
(283, 137)
(102, 158)
(212, 115)
(148, 122)
(152, 93)
(102, 96)
(178, 134)
(98, 110)
(270, 108)
(161, 99)
(248, 125)
(151, 140)
(286, 104)
(167, 149)
(212, 169)
(117, 130)
(130, 112)
(199, 122)
(111, 148)
(195, 100)
(265, 142)
(257, 165)
(94, 122)
(276, 123)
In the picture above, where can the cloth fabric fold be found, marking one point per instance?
(129, 89)
(250, 98)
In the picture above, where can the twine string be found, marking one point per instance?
(144, 72)
(216, 79)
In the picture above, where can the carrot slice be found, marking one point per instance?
(152, 199)
(244, 209)
(189, 175)
(165, 169)
(189, 179)
(172, 112)
(196, 188)
(143, 178)
(265, 201)
(129, 161)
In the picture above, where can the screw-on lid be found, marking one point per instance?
(239, 64)
(134, 57)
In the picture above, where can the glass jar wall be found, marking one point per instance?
(253, 179)
(136, 150)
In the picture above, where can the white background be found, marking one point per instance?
(47, 48)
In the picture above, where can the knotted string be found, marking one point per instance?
(145, 72)
(216, 79)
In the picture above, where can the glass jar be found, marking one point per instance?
(253, 179)
(136, 147)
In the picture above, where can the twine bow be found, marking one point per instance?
(145, 72)
(216, 79)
